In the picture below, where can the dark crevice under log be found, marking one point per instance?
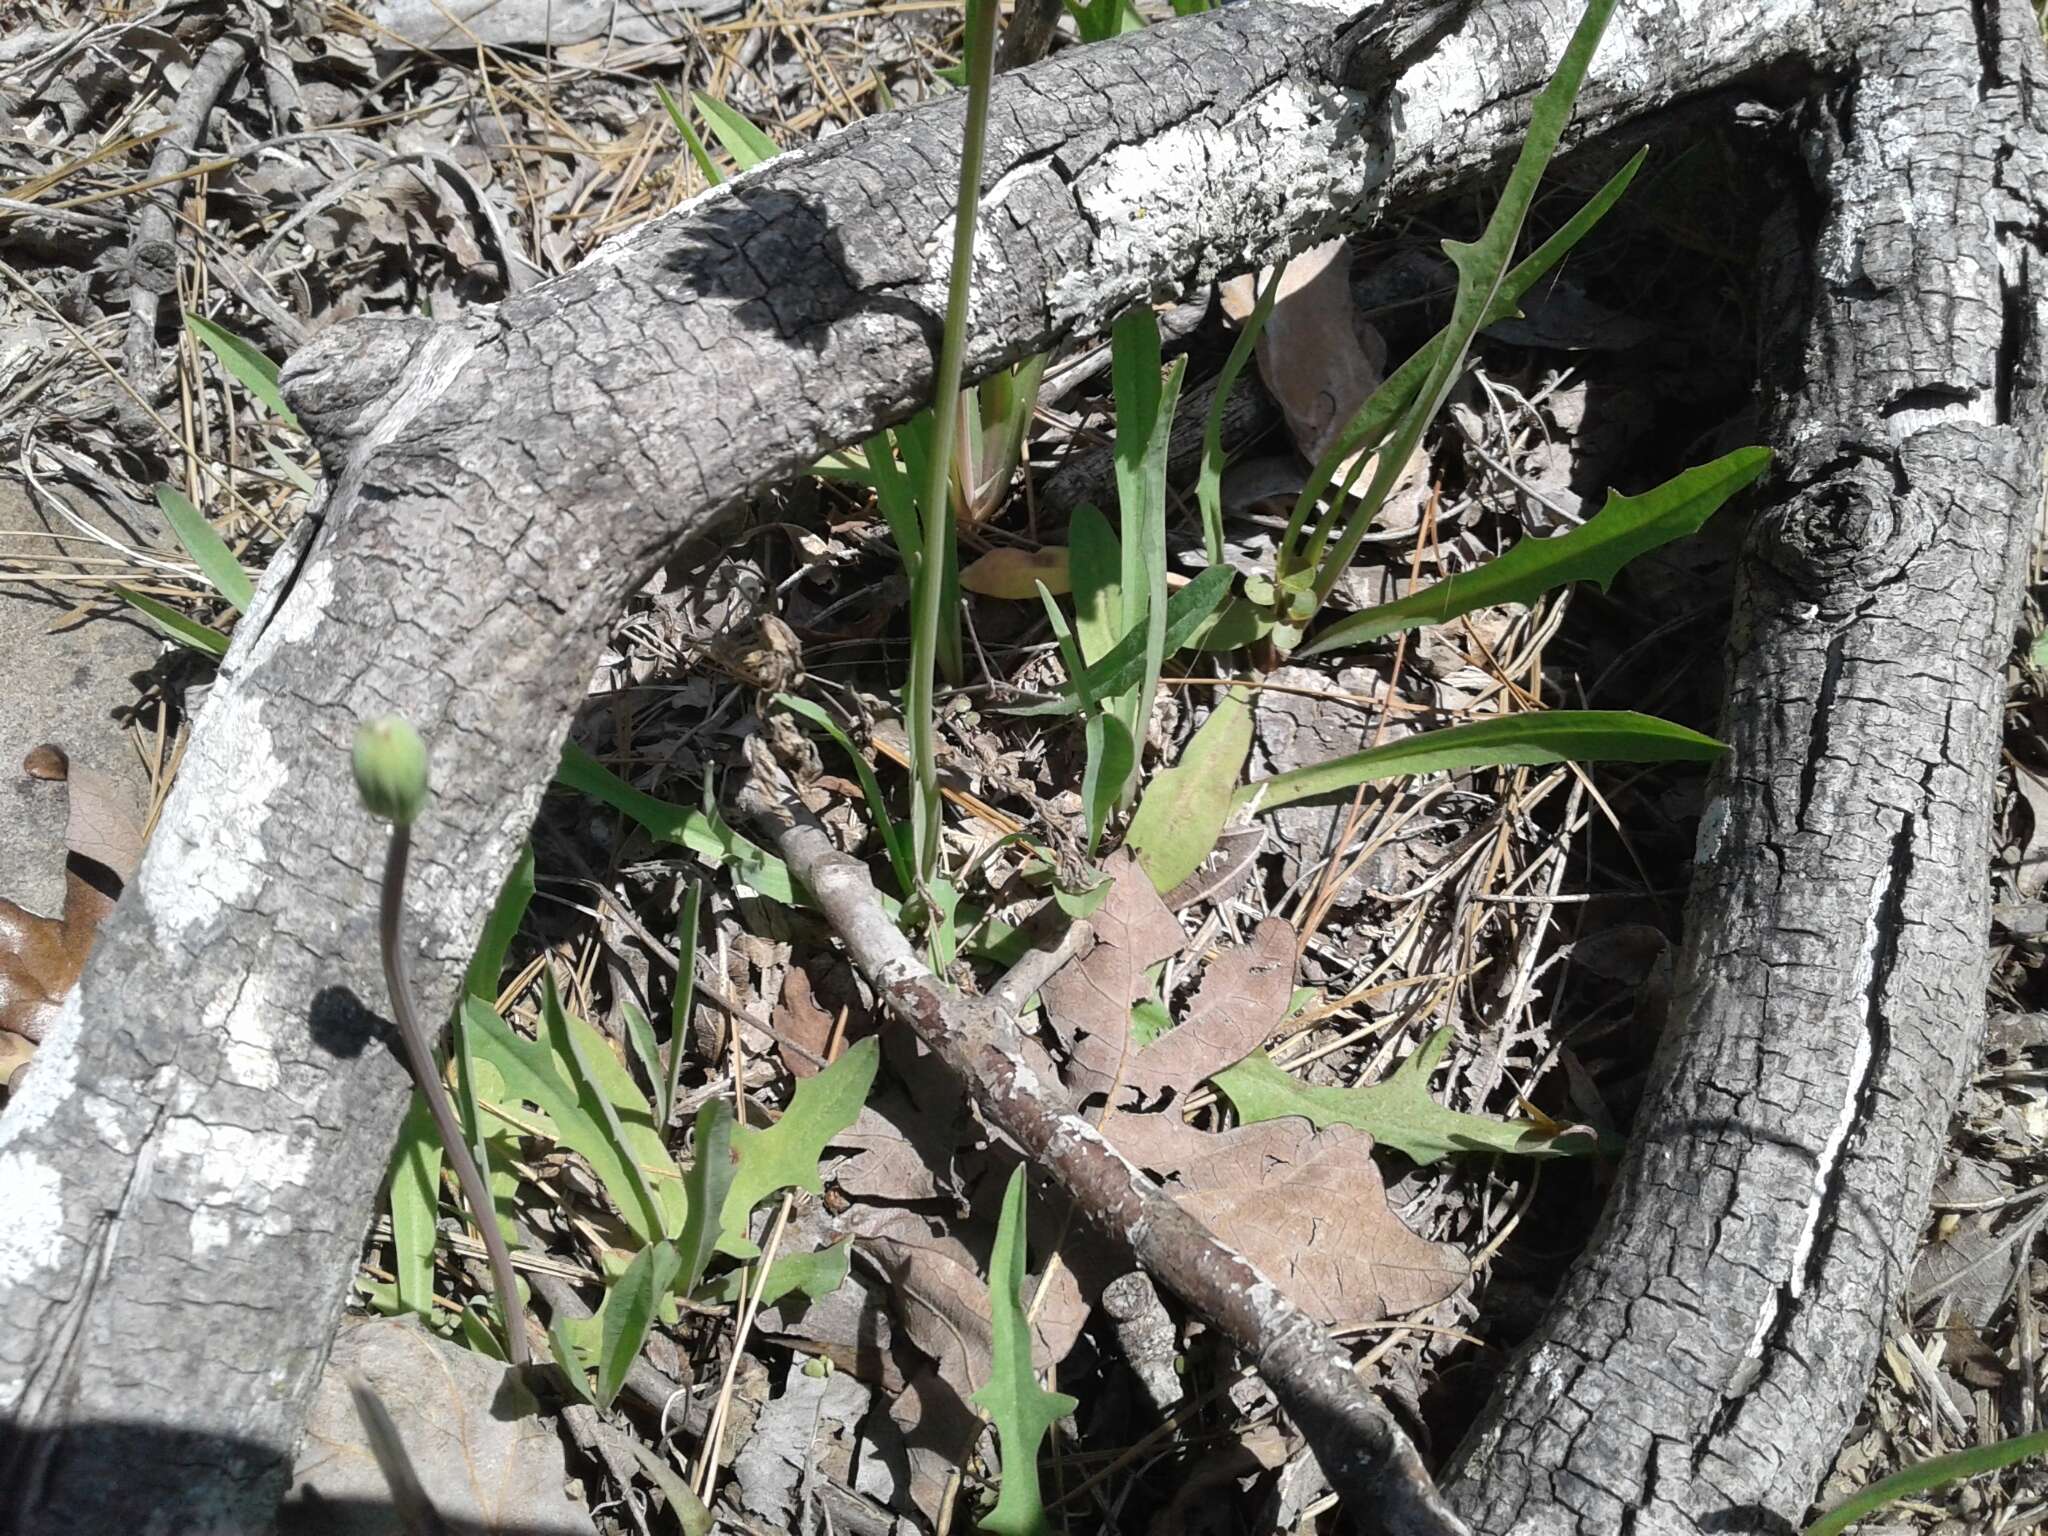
(195, 1157)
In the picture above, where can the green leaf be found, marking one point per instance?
(785, 1156)
(698, 152)
(1209, 482)
(1185, 806)
(1095, 567)
(699, 831)
(747, 145)
(817, 1275)
(1111, 757)
(1627, 526)
(488, 963)
(679, 1003)
(1240, 622)
(1124, 667)
(215, 560)
(871, 789)
(1924, 1476)
(628, 1313)
(1021, 1409)
(683, 1503)
(568, 1357)
(250, 368)
(1144, 425)
(1399, 1112)
(531, 1075)
(415, 1207)
(180, 628)
(708, 1183)
(640, 1040)
(1550, 736)
(601, 1085)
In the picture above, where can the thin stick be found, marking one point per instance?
(1363, 1451)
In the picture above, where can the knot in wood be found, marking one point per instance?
(338, 382)
(1849, 533)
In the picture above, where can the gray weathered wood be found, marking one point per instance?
(1708, 1355)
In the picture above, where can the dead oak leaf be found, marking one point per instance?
(1089, 1001)
(1307, 1207)
(1242, 999)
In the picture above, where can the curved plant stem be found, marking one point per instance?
(419, 1056)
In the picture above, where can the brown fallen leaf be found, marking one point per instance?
(1017, 574)
(799, 1020)
(1242, 999)
(41, 957)
(1307, 1207)
(1089, 1001)
(1319, 363)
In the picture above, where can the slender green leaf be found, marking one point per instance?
(488, 963)
(1124, 667)
(698, 152)
(871, 789)
(1209, 482)
(680, 1001)
(1111, 757)
(1144, 425)
(1185, 806)
(691, 1515)
(1551, 736)
(646, 1051)
(601, 1085)
(569, 1359)
(708, 1184)
(699, 831)
(477, 1334)
(785, 1155)
(747, 145)
(250, 368)
(180, 628)
(1020, 1408)
(817, 1275)
(415, 1207)
(215, 560)
(1239, 622)
(630, 1304)
(1095, 568)
(1925, 1476)
(1398, 1112)
(1595, 551)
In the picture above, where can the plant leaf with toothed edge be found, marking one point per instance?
(1185, 806)
(216, 562)
(1546, 736)
(738, 137)
(1020, 1408)
(628, 1312)
(1924, 1476)
(707, 1183)
(1124, 666)
(180, 628)
(785, 1155)
(817, 1275)
(1397, 1113)
(415, 1207)
(250, 368)
(1627, 526)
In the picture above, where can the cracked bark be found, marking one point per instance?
(1707, 1357)
(193, 1162)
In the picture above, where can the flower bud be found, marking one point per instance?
(391, 769)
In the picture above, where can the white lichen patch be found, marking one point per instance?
(215, 1162)
(35, 1102)
(210, 1231)
(305, 606)
(32, 1238)
(208, 854)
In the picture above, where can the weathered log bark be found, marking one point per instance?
(192, 1164)
(1708, 1355)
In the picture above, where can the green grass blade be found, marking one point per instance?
(1185, 807)
(1627, 526)
(1209, 482)
(1020, 1408)
(215, 560)
(698, 152)
(870, 788)
(488, 963)
(1095, 570)
(1144, 423)
(1551, 736)
(1120, 671)
(250, 368)
(174, 623)
(1924, 1476)
(415, 1207)
(628, 1312)
(747, 145)
(680, 1000)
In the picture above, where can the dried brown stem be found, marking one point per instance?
(1365, 1454)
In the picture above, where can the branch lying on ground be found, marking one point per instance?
(1367, 1457)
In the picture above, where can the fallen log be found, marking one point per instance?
(198, 1149)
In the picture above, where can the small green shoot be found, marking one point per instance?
(738, 137)
(679, 1007)
(216, 562)
(181, 629)
(1020, 1408)
(1209, 483)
